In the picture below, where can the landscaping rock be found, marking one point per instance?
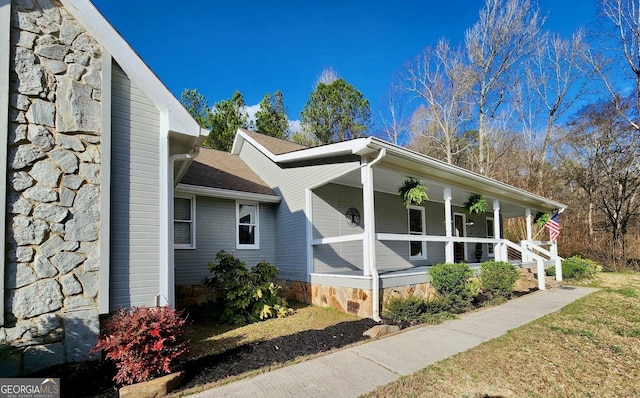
(153, 388)
(381, 330)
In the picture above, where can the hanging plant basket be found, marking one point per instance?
(412, 192)
(541, 218)
(476, 204)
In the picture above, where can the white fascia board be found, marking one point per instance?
(180, 121)
(351, 147)
(227, 194)
(503, 188)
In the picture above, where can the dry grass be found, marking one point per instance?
(589, 349)
(209, 338)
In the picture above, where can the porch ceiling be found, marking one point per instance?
(388, 179)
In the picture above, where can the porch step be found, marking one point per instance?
(528, 281)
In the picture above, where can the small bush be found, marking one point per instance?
(405, 310)
(497, 278)
(577, 267)
(417, 310)
(143, 342)
(452, 281)
(245, 296)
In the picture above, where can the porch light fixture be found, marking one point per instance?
(470, 223)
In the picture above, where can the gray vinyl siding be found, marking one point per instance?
(135, 195)
(215, 230)
(290, 181)
(392, 217)
(330, 203)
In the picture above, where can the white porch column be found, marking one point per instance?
(558, 262)
(448, 227)
(529, 223)
(368, 243)
(527, 213)
(497, 250)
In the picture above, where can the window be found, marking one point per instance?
(490, 234)
(247, 231)
(184, 222)
(417, 226)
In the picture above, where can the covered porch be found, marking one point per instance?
(360, 235)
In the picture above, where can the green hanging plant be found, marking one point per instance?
(476, 204)
(541, 218)
(412, 192)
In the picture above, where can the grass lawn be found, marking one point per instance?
(589, 349)
(208, 338)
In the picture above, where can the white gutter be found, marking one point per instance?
(227, 193)
(370, 236)
(480, 182)
(370, 145)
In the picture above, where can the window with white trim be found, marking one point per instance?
(247, 225)
(417, 226)
(490, 234)
(184, 215)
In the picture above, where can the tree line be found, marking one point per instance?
(556, 116)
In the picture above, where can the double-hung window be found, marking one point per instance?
(184, 214)
(247, 225)
(417, 226)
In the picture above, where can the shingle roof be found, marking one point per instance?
(223, 170)
(274, 145)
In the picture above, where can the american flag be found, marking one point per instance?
(553, 226)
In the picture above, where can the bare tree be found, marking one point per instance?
(623, 55)
(507, 32)
(441, 80)
(602, 156)
(557, 75)
(393, 116)
(327, 76)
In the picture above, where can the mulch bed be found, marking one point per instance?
(94, 379)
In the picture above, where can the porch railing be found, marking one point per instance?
(529, 250)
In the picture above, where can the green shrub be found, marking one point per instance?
(245, 296)
(576, 267)
(418, 310)
(405, 310)
(497, 278)
(452, 281)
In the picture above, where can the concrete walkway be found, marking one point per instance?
(360, 369)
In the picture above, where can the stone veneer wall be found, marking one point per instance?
(359, 301)
(345, 299)
(51, 282)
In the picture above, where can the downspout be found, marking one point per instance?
(371, 234)
(169, 277)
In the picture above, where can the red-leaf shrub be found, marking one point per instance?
(143, 342)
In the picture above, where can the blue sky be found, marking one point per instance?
(260, 46)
